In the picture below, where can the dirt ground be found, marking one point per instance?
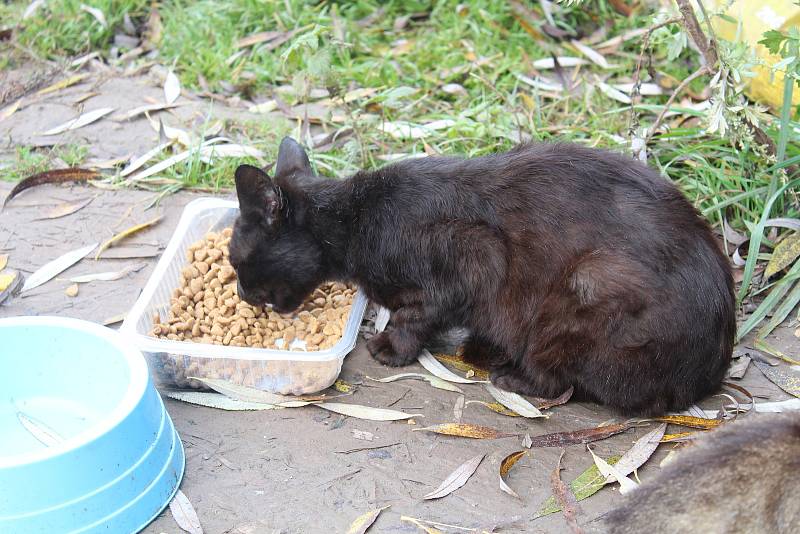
(296, 470)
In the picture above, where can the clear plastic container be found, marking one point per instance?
(172, 362)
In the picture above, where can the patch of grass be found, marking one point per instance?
(29, 160)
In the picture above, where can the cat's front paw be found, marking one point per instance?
(381, 348)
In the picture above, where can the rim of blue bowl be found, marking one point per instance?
(136, 386)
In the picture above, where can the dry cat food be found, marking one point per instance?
(206, 307)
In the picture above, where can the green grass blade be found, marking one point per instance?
(766, 306)
(757, 237)
(782, 312)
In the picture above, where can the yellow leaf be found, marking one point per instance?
(465, 430)
(363, 522)
(66, 82)
(126, 233)
(3, 261)
(428, 530)
(458, 362)
(785, 253)
(9, 110)
(343, 387)
(530, 104)
(691, 422)
(5, 280)
(680, 436)
(505, 466)
(497, 408)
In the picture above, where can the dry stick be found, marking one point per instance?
(692, 26)
(696, 74)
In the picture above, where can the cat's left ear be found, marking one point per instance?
(292, 159)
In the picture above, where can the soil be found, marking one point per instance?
(295, 470)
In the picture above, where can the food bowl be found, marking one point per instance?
(173, 362)
(86, 443)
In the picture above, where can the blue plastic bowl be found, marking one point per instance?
(85, 442)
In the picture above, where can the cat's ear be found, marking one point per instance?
(291, 158)
(258, 196)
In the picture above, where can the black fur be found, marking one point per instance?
(569, 266)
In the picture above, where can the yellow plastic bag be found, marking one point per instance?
(759, 16)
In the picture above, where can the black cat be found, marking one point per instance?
(568, 265)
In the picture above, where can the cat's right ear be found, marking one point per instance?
(258, 196)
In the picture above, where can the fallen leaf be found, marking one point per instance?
(126, 233)
(550, 63)
(465, 430)
(505, 466)
(366, 412)
(641, 451)
(496, 407)
(432, 380)
(80, 121)
(407, 130)
(47, 271)
(363, 522)
(565, 498)
(578, 437)
(678, 437)
(514, 402)
(248, 394)
(57, 176)
(96, 13)
(457, 361)
(141, 110)
(207, 150)
(32, 8)
(9, 282)
(594, 56)
(43, 433)
(543, 404)
(437, 369)
(739, 367)
(527, 441)
(688, 420)
(108, 276)
(382, 319)
(71, 291)
(67, 208)
(273, 38)
(783, 255)
(458, 408)
(614, 94)
(427, 529)
(220, 402)
(264, 107)
(115, 319)
(787, 381)
(3, 261)
(10, 110)
(62, 84)
(585, 485)
(343, 387)
(454, 89)
(184, 514)
(153, 29)
(144, 158)
(645, 89)
(456, 479)
(172, 88)
(609, 471)
(777, 407)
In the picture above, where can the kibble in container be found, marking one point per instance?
(174, 359)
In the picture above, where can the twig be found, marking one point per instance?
(696, 74)
(350, 451)
(692, 26)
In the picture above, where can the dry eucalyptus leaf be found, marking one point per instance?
(784, 254)
(141, 110)
(457, 361)
(430, 363)
(514, 402)
(382, 319)
(690, 421)
(527, 442)
(777, 407)
(465, 430)
(739, 367)
(436, 382)
(56, 176)
(587, 484)
(3, 261)
(505, 466)
(549, 403)
(220, 402)
(43, 433)
(62, 84)
(343, 387)
(456, 479)
(144, 158)
(10, 110)
(641, 451)
(594, 56)
(9, 282)
(565, 498)
(363, 522)
(108, 276)
(609, 471)
(80, 121)
(96, 13)
(71, 291)
(496, 407)
(366, 412)
(458, 408)
(566, 61)
(57, 266)
(577, 437)
(126, 233)
(184, 514)
(248, 394)
(427, 529)
(787, 381)
(614, 94)
(172, 88)
(67, 208)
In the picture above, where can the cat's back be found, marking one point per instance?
(741, 479)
